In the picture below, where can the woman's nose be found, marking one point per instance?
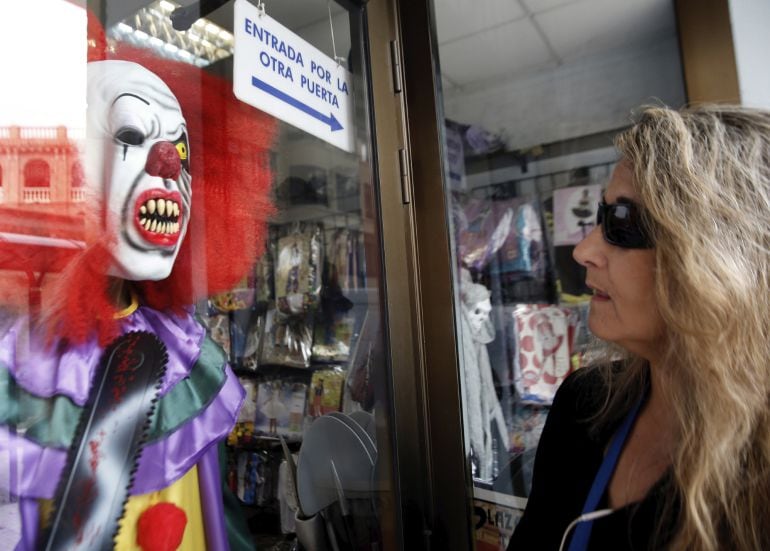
(590, 250)
(163, 160)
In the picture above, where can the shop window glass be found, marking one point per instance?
(532, 95)
(244, 239)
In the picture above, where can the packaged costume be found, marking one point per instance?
(544, 336)
(281, 408)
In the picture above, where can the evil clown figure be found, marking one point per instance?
(112, 417)
(482, 407)
(139, 152)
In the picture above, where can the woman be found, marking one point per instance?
(680, 267)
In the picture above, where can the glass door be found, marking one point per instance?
(219, 191)
(529, 97)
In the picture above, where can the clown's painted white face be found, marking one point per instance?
(138, 155)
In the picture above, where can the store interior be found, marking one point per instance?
(533, 94)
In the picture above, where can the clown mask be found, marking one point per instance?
(138, 160)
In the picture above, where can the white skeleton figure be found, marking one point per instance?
(137, 158)
(479, 393)
(478, 314)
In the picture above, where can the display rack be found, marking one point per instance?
(316, 195)
(509, 184)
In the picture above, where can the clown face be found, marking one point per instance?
(138, 160)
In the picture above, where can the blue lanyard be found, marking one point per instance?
(583, 530)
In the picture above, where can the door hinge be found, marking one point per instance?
(395, 64)
(403, 169)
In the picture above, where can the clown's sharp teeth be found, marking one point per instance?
(176, 227)
(143, 209)
(142, 221)
(161, 207)
(154, 225)
(164, 227)
(176, 209)
(151, 206)
(147, 224)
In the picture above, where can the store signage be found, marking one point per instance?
(280, 73)
(495, 516)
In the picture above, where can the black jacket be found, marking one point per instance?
(566, 463)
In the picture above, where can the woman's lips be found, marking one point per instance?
(158, 216)
(599, 295)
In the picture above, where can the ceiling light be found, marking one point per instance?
(204, 45)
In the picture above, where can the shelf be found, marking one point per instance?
(332, 218)
(261, 442)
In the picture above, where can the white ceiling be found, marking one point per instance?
(486, 40)
(544, 71)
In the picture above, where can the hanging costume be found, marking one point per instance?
(199, 401)
(478, 391)
(162, 136)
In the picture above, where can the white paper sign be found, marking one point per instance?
(280, 73)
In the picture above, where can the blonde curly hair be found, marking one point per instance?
(703, 179)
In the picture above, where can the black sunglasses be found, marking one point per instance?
(622, 226)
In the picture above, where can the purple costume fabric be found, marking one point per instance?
(45, 372)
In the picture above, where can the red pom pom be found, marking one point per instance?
(161, 527)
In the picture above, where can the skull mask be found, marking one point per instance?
(478, 314)
(138, 158)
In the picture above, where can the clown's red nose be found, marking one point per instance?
(163, 161)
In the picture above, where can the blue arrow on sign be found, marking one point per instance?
(333, 123)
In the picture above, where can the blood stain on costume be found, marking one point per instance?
(94, 446)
